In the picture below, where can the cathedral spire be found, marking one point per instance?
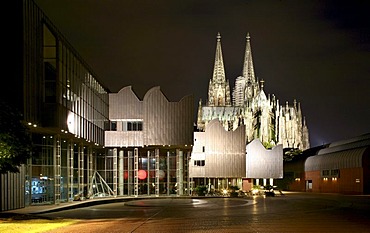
(248, 69)
(219, 89)
(219, 70)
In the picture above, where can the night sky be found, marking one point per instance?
(317, 52)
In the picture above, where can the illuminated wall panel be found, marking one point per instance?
(162, 122)
(263, 163)
(223, 152)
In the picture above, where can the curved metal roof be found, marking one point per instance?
(340, 159)
(342, 147)
(364, 137)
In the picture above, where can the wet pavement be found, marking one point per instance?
(293, 212)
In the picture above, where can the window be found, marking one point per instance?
(134, 126)
(330, 173)
(334, 173)
(325, 172)
(113, 126)
(204, 149)
(200, 163)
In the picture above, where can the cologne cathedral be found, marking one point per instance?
(264, 118)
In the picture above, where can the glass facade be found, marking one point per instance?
(144, 171)
(66, 108)
(67, 111)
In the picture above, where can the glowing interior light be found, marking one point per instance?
(161, 174)
(142, 174)
(71, 122)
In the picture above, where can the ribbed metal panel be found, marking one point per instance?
(364, 137)
(167, 123)
(12, 190)
(334, 147)
(225, 151)
(341, 159)
(262, 163)
(123, 138)
(125, 105)
(164, 122)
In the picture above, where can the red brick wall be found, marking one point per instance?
(299, 184)
(350, 181)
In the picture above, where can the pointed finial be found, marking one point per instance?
(248, 37)
(262, 82)
(218, 36)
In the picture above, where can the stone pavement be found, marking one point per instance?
(37, 209)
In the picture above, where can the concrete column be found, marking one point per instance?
(157, 172)
(57, 168)
(168, 172)
(129, 173)
(271, 181)
(90, 170)
(120, 173)
(180, 172)
(148, 173)
(80, 169)
(136, 172)
(188, 154)
(264, 182)
(115, 171)
(70, 171)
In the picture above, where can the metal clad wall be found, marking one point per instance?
(342, 159)
(225, 151)
(197, 154)
(167, 123)
(126, 138)
(12, 190)
(348, 146)
(262, 163)
(125, 105)
(164, 122)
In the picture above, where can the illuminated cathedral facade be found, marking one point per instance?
(262, 115)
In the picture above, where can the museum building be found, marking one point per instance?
(90, 142)
(87, 141)
(63, 104)
(148, 145)
(338, 167)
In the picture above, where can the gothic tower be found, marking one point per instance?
(219, 88)
(246, 86)
(261, 114)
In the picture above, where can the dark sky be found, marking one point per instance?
(317, 52)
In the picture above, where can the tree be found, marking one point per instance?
(15, 139)
(290, 153)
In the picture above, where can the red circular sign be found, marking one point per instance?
(142, 174)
